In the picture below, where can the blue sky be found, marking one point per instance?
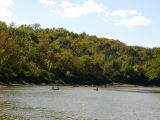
(134, 22)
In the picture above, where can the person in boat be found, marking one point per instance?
(97, 89)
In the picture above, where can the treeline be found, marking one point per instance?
(31, 54)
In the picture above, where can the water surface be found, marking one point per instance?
(79, 103)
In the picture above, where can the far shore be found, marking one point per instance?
(75, 85)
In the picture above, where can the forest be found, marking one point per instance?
(31, 54)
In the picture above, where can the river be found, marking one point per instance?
(79, 103)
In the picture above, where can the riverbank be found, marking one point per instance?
(2, 86)
(123, 85)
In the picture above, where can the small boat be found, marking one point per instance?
(55, 88)
(75, 85)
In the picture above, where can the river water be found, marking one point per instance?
(79, 103)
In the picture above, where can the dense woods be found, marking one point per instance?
(30, 54)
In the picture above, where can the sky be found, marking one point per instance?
(134, 22)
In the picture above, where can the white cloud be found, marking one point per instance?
(6, 15)
(135, 21)
(129, 17)
(74, 11)
(133, 12)
(48, 2)
(6, 3)
(136, 18)
(65, 4)
(122, 13)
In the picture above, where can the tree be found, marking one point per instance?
(32, 54)
(36, 26)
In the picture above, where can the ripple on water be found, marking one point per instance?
(40, 103)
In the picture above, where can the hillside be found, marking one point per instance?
(31, 54)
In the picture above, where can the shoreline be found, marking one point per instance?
(2, 85)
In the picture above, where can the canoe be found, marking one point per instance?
(55, 88)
